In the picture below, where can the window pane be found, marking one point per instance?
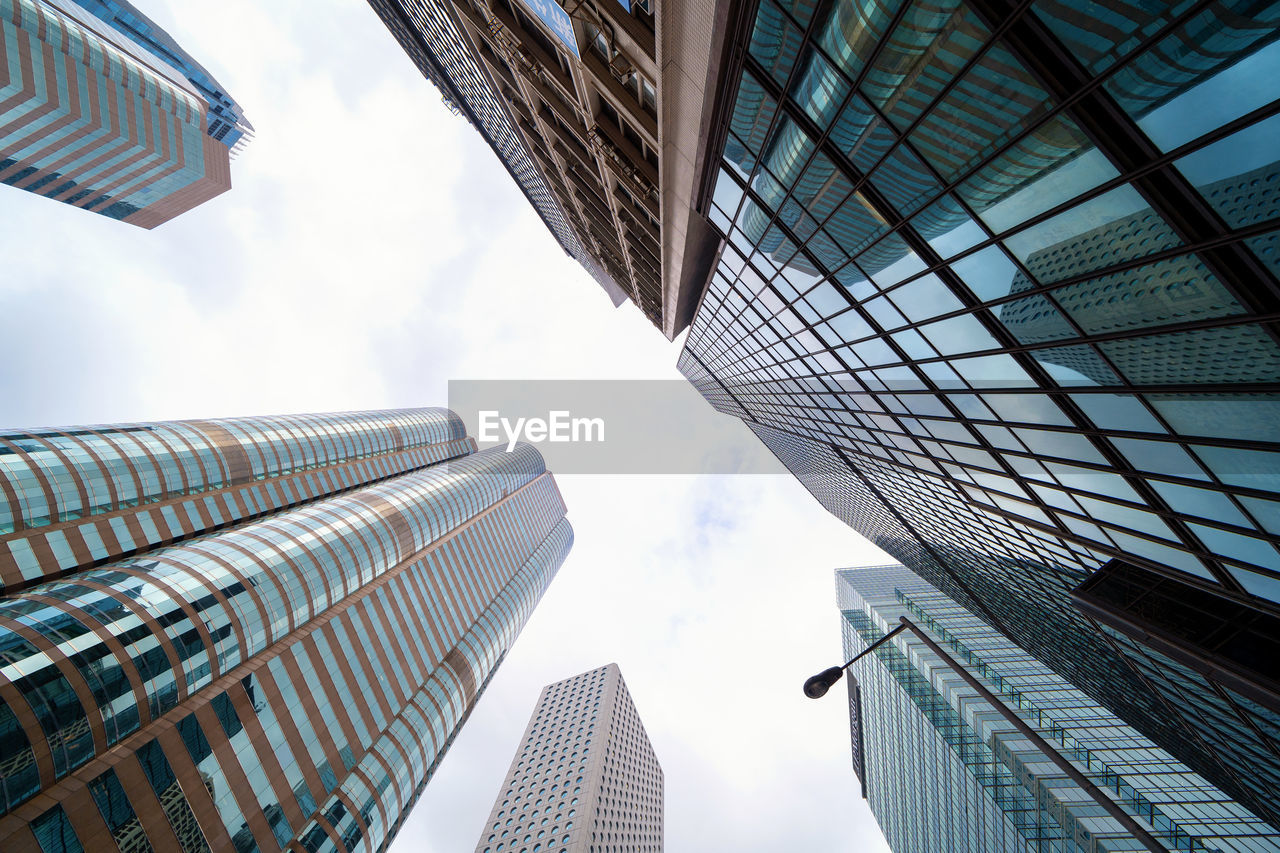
(1053, 164)
(1239, 175)
(1116, 226)
(775, 41)
(1195, 80)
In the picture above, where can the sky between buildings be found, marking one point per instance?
(373, 248)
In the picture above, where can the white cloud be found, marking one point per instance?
(372, 248)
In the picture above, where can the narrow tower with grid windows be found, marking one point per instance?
(585, 780)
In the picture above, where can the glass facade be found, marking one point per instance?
(227, 122)
(285, 677)
(86, 495)
(943, 771)
(998, 283)
(90, 119)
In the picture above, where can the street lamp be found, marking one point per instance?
(817, 686)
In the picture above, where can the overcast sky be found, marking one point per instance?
(372, 249)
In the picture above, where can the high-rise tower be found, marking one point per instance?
(252, 634)
(942, 770)
(999, 283)
(108, 113)
(598, 110)
(227, 122)
(585, 777)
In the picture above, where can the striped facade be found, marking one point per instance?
(90, 119)
(279, 663)
(586, 779)
(227, 122)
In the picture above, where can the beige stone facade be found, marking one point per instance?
(585, 778)
(615, 120)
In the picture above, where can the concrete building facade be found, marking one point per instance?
(585, 778)
(598, 108)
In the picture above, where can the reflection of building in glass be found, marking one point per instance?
(1006, 304)
(253, 633)
(943, 771)
(585, 776)
(93, 114)
(227, 122)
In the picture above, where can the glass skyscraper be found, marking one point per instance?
(227, 122)
(93, 113)
(942, 770)
(252, 634)
(998, 282)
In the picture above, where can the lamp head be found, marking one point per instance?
(817, 686)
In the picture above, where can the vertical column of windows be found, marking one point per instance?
(164, 783)
(219, 788)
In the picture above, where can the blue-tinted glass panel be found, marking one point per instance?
(947, 228)
(861, 134)
(753, 112)
(991, 104)
(1248, 417)
(1214, 356)
(851, 33)
(54, 833)
(1240, 175)
(819, 88)
(1116, 226)
(989, 274)
(1100, 35)
(1076, 366)
(1048, 167)
(1209, 71)
(1117, 411)
(1173, 290)
(775, 41)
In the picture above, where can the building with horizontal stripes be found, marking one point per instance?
(585, 778)
(253, 634)
(227, 122)
(998, 282)
(93, 112)
(942, 770)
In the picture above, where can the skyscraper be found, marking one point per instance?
(998, 282)
(585, 777)
(942, 770)
(601, 136)
(108, 113)
(227, 122)
(252, 633)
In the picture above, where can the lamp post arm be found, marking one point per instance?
(1030, 734)
(871, 648)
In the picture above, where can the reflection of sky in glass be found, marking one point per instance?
(956, 240)
(989, 273)
(1230, 93)
(1050, 189)
(1251, 148)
